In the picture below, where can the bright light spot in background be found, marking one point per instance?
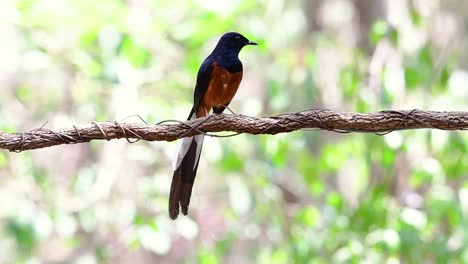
(342, 255)
(432, 166)
(439, 139)
(353, 178)
(88, 258)
(389, 236)
(187, 227)
(109, 38)
(426, 7)
(125, 212)
(418, 148)
(445, 29)
(43, 225)
(394, 139)
(36, 60)
(393, 260)
(139, 20)
(457, 84)
(413, 199)
(55, 6)
(156, 241)
(442, 193)
(295, 22)
(356, 247)
(252, 231)
(162, 181)
(252, 106)
(32, 261)
(238, 195)
(212, 150)
(394, 78)
(10, 49)
(414, 217)
(463, 196)
(336, 13)
(456, 241)
(411, 38)
(9, 13)
(397, 12)
(224, 7)
(65, 225)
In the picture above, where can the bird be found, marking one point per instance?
(218, 79)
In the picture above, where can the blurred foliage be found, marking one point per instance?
(305, 197)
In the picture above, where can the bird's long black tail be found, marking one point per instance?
(185, 169)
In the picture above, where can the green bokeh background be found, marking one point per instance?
(303, 197)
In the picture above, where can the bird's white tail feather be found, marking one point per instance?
(183, 148)
(184, 145)
(199, 140)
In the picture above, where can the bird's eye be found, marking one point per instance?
(237, 37)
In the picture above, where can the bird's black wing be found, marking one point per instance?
(203, 80)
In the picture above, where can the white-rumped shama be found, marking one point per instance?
(217, 81)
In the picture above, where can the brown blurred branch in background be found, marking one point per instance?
(169, 130)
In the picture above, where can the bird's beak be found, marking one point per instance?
(251, 43)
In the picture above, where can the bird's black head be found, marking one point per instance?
(234, 41)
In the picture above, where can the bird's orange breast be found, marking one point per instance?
(221, 89)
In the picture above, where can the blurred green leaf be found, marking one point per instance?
(334, 199)
(136, 54)
(206, 257)
(24, 235)
(308, 216)
(378, 31)
(420, 70)
(231, 161)
(3, 160)
(416, 17)
(279, 256)
(349, 81)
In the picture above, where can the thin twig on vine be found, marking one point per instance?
(343, 122)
